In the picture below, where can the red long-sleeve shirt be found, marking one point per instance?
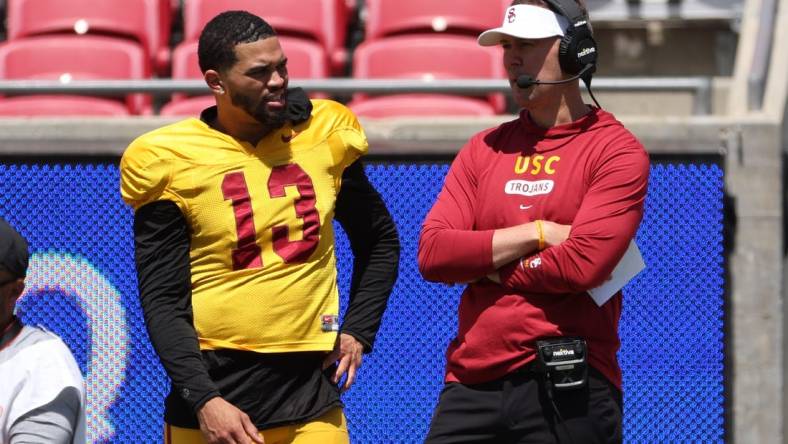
(591, 174)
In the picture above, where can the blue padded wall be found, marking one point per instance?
(82, 286)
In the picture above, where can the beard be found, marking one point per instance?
(260, 112)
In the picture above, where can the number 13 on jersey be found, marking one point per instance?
(247, 253)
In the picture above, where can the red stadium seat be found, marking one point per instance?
(40, 106)
(67, 58)
(146, 21)
(427, 57)
(322, 20)
(421, 105)
(390, 17)
(187, 107)
(306, 59)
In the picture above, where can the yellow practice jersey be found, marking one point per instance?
(262, 243)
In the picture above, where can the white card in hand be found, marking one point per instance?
(628, 267)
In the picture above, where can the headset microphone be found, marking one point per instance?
(525, 81)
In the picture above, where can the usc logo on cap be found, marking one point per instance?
(511, 15)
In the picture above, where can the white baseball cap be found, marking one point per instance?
(526, 22)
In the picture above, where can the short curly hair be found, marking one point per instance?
(216, 48)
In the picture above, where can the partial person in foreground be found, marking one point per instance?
(533, 214)
(42, 393)
(235, 249)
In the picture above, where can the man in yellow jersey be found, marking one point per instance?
(235, 249)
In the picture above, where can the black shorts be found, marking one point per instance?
(274, 389)
(517, 409)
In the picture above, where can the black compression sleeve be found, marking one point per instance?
(375, 244)
(161, 240)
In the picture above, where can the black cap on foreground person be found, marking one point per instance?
(13, 268)
(14, 253)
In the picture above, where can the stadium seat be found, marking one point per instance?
(53, 105)
(322, 20)
(187, 107)
(391, 17)
(306, 59)
(146, 21)
(67, 58)
(417, 105)
(430, 57)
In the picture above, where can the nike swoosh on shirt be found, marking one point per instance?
(525, 207)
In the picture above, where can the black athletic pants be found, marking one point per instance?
(517, 409)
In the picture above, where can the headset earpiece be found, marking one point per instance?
(575, 52)
(577, 48)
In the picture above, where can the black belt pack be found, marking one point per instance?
(563, 361)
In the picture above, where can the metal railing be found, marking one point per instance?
(756, 79)
(699, 86)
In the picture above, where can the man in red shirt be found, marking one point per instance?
(532, 215)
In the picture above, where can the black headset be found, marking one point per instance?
(578, 50)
